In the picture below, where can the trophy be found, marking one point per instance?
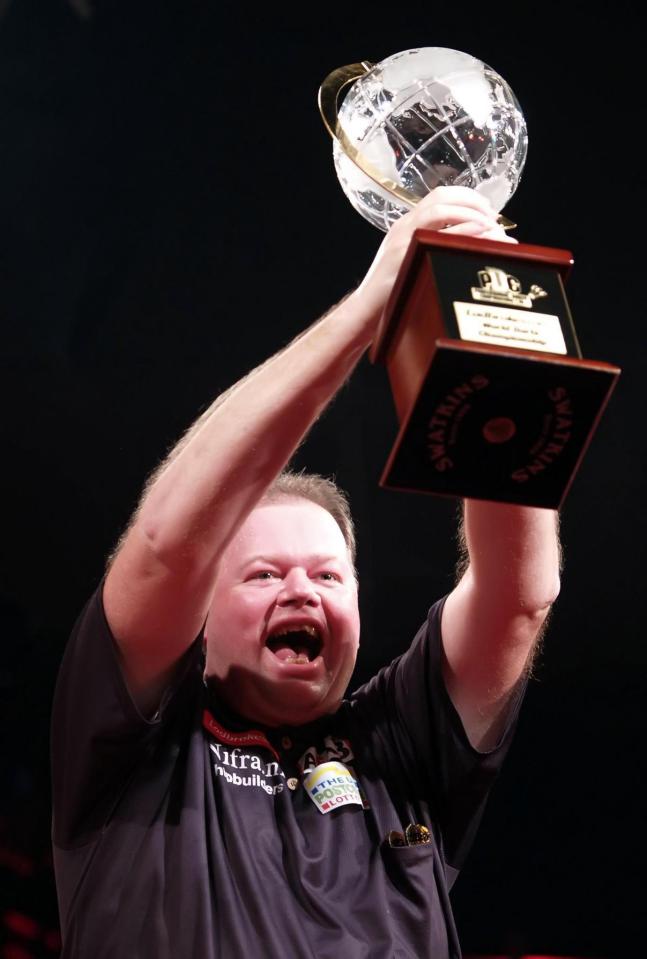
(491, 391)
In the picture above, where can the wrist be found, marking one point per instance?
(366, 306)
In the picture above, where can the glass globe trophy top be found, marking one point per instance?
(420, 119)
(493, 397)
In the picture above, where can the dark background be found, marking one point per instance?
(169, 216)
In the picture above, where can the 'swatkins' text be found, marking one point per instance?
(557, 436)
(445, 419)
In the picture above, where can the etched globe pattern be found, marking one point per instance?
(426, 118)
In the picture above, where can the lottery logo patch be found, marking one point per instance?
(331, 785)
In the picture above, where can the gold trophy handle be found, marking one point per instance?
(331, 88)
(328, 107)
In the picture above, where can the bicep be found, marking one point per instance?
(154, 614)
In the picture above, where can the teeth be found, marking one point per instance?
(301, 658)
(309, 630)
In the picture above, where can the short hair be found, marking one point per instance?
(320, 490)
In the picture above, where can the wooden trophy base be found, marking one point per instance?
(479, 419)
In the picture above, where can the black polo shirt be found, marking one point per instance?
(193, 836)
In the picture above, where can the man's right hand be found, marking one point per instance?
(456, 210)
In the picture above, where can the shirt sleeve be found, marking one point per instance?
(418, 738)
(98, 734)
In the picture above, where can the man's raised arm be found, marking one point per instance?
(158, 588)
(493, 618)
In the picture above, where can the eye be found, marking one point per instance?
(264, 574)
(329, 577)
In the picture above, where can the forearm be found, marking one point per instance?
(233, 453)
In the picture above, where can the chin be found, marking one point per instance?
(297, 710)
(286, 702)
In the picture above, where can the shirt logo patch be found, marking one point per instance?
(252, 737)
(334, 747)
(331, 785)
(240, 768)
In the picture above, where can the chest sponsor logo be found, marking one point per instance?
(332, 785)
(242, 768)
(334, 747)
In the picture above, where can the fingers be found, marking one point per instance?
(475, 228)
(462, 196)
(501, 237)
(454, 216)
(458, 207)
(472, 227)
(454, 210)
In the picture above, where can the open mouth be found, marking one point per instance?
(295, 644)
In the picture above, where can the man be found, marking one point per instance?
(255, 813)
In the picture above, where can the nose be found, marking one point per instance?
(297, 589)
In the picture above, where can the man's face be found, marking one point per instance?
(283, 629)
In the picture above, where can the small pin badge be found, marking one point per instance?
(414, 835)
